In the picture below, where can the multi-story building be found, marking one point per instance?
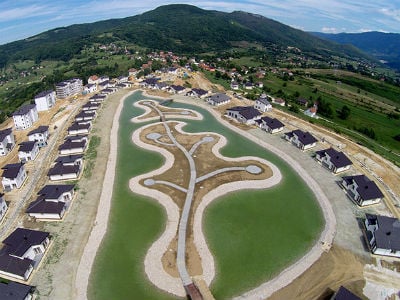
(45, 100)
(25, 116)
(7, 141)
(69, 88)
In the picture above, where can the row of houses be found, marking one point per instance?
(382, 233)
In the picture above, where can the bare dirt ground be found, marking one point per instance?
(335, 268)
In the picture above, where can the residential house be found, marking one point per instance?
(72, 147)
(25, 116)
(244, 114)
(362, 190)
(262, 104)
(77, 128)
(122, 78)
(176, 89)
(97, 98)
(302, 102)
(85, 115)
(260, 84)
(302, 140)
(45, 100)
(22, 252)
(344, 294)
(333, 160)
(271, 125)
(90, 106)
(383, 235)
(200, 93)
(104, 85)
(3, 207)
(14, 176)
(94, 79)
(248, 86)
(28, 151)
(77, 138)
(70, 160)
(218, 99)
(109, 90)
(132, 72)
(234, 85)
(278, 101)
(69, 88)
(103, 78)
(124, 85)
(90, 88)
(39, 135)
(64, 172)
(312, 111)
(12, 290)
(7, 141)
(52, 202)
(149, 82)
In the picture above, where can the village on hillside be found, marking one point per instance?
(47, 147)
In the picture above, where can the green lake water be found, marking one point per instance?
(252, 234)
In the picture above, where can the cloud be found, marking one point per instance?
(329, 30)
(393, 13)
(22, 12)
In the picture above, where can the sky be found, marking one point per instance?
(20, 19)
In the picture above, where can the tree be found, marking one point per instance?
(344, 113)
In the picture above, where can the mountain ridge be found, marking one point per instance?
(185, 29)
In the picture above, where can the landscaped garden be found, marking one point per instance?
(253, 235)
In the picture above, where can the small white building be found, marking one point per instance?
(40, 135)
(78, 128)
(90, 88)
(333, 160)
(94, 79)
(301, 139)
(383, 235)
(3, 206)
(262, 104)
(248, 86)
(72, 147)
(52, 202)
(7, 141)
(85, 116)
(64, 172)
(70, 160)
(22, 252)
(45, 100)
(25, 116)
(28, 151)
(91, 106)
(278, 101)
(218, 99)
(14, 175)
(244, 114)
(271, 125)
(234, 85)
(362, 190)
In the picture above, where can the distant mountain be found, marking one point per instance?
(180, 28)
(383, 46)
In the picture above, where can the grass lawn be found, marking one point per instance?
(246, 252)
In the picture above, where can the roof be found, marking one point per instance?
(4, 133)
(263, 100)
(11, 170)
(218, 98)
(97, 96)
(177, 87)
(23, 110)
(339, 159)
(44, 93)
(78, 126)
(199, 92)
(68, 144)
(14, 265)
(272, 123)
(367, 189)
(345, 294)
(40, 129)
(305, 137)
(69, 158)
(302, 101)
(85, 113)
(27, 146)
(387, 236)
(60, 169)
(42, 206)
(18, 242)
(14, 290)
(248, 112)
(54, 191)
(78, 137)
